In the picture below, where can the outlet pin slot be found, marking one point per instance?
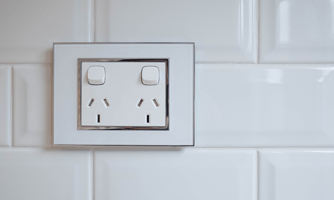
(91, 102)
(140, 102)
(98, 118)
(106, 102)
(155, 103)
(147, 118)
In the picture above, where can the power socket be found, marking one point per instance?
(123, 100)
(124, 94)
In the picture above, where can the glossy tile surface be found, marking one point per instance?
(5, 105)
(40, 174)
(224, 31)
(32, 105)
(267, 105)
(175, 174)
(29, 28)
(291, 175)
(296, 31)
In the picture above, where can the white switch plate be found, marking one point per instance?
(123, 101)
(121, 120)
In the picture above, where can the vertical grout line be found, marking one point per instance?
(257, 175)
(52, 102)
(12, 105)
(258, 31)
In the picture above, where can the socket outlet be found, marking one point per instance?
(123, 101)
(120, 107)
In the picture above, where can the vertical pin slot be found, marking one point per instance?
(147, 118)
(98, 118)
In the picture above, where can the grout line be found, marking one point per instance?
(143, 148)
(27, 63)
(203, 63)
(258, 31)
(292, 148)
(12, 105)
(265, 64)
(257, 175)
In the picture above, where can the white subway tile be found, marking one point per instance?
(5, 105)
(264, 105)
(39, 174)
(291, 175)
(224, 31)
(175, 174)
(32, 105)
(296, 31)
(29, 28)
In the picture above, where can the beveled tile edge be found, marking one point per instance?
(265, 51)
(50, 150)
(88, 160)
(91, 175)
(295, 150)
(265, 154)
(241, 56)
(20, 66)
(262, 37)
(248, 153)
(247, 157)
(255, 174)
(254, 55)
(257, 189)
(8, 141)
(258, 33)
(91, 21)
(98, 149)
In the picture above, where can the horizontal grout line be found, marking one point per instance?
(275, 147)
(26, 63)
(212, 64)
(255, 64)
(92, 148)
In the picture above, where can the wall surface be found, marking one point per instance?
(264, 101)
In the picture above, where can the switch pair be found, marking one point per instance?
(150, 75)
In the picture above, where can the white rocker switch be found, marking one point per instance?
(150, 75)
(96, 75)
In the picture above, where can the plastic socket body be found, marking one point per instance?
(123, 101)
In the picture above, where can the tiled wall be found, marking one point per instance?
(264, 101)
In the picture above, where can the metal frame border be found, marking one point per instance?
(194, 76)
(79, 89)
